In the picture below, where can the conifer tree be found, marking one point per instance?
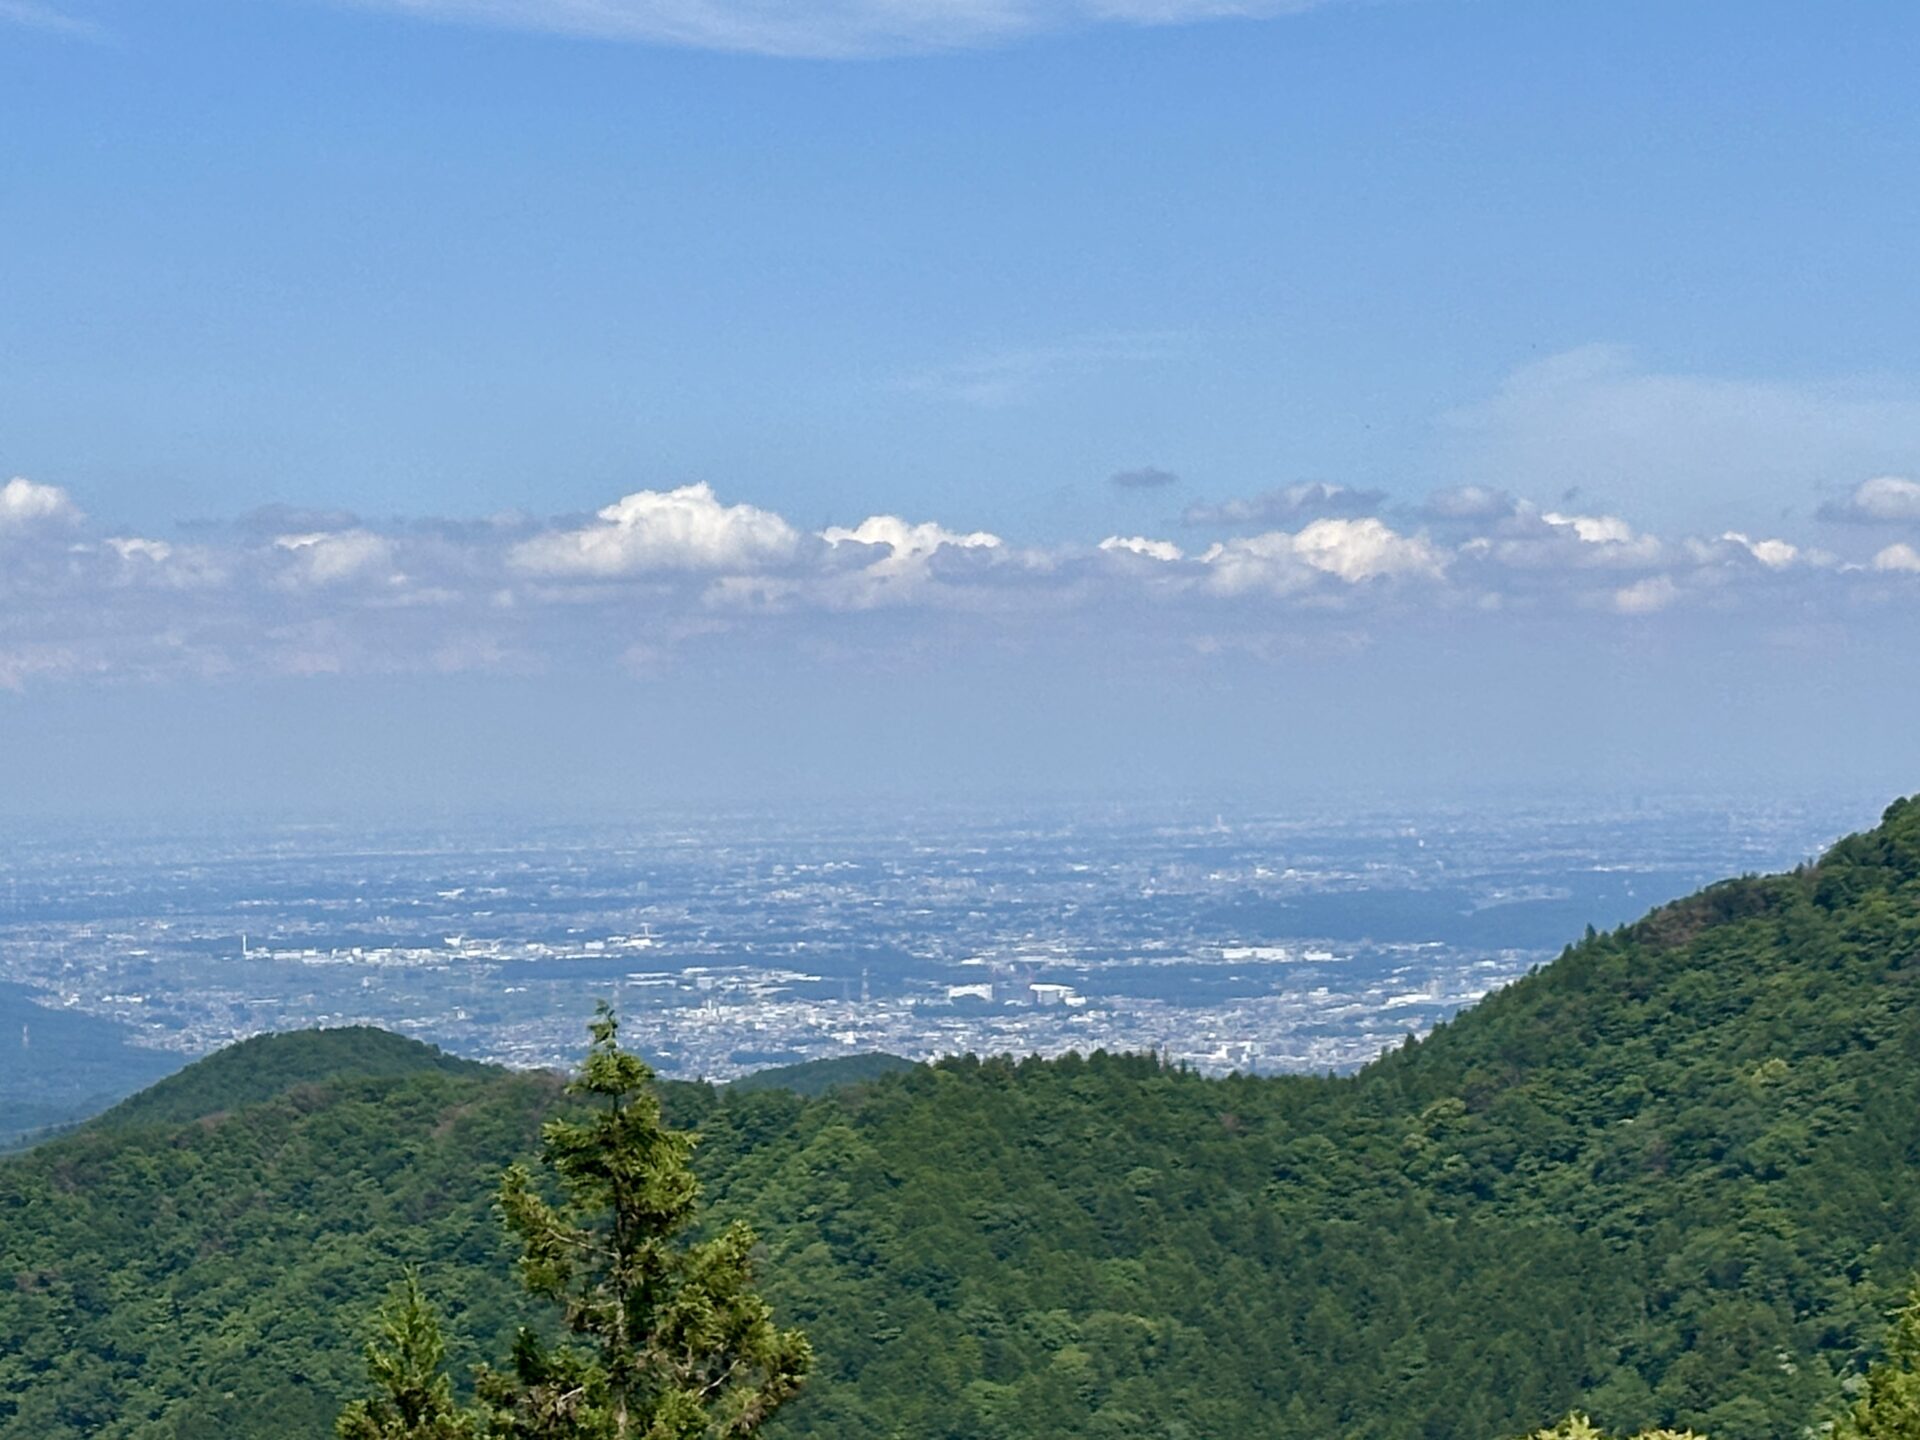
(415, 1399)
(667, 1339)
(1578, 1427)
(1890, 1410)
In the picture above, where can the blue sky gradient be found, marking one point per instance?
(438, 289)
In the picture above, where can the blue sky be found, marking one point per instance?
(352, 357)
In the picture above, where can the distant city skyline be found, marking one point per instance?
(561, 407)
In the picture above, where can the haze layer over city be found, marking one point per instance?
(1226, 942)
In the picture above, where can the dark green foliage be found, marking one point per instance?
(270, 1065)
(1670, 1180)
(817, 1077)
(667, 1340)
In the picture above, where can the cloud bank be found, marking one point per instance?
(659, 576)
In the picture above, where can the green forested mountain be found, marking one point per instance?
(1670, 1178)
(817, 1077)
(270, 1065)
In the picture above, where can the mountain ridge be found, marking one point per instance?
(1667, 1178)
(255, 1070)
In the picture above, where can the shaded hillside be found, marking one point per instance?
(57, 1067)
(1669, 1178)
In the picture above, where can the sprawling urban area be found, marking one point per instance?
(1250, 943)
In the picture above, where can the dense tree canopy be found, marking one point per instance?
(1667, 1181)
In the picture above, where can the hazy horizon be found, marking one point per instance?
(555, 409)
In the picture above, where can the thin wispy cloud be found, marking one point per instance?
(1017, 376)
(833, 29)
(33, 15)
(1284, 506)
(1598, 419)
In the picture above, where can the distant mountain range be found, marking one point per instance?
(1670, 1177)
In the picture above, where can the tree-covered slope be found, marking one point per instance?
(205, 1280)
(1669, 1178)
(817, 1077)
(269, 1065)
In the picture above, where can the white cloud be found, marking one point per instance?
(1885, 499)
(829, 28)
(1351, 550)
(25, 505)
(334, 557)
(1164, 550)
(1358, 550)
(1531, 539)
(132, 547)
(655, 530)
(1594, 529)
(906, 542)
(900, 559)
(1257, 563)
(1645, 597)
(1901, 558)
(1774, 554)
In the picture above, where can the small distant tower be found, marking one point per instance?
(244, 952)
(866, 990)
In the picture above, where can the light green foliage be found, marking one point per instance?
(1890, 1409)
(415, 1397)
(1579, 1427)
(671, 1341)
